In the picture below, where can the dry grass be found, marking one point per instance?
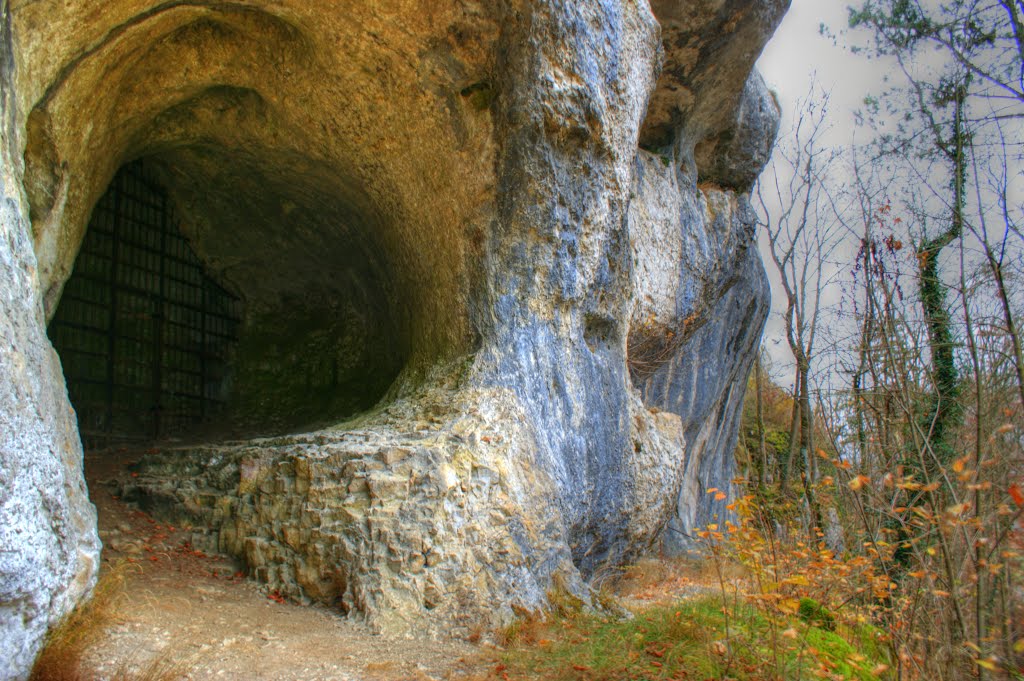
(63, 657)
(167, 666)
(664, 579)
(527, 630)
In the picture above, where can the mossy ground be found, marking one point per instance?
(689, 639)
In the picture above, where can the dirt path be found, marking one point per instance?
(198, 615)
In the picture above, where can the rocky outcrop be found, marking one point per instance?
(447, 528)
(694, 333)
(49, 549)
(527, 218)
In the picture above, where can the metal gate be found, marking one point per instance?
(143, 334)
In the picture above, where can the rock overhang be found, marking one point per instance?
(469, 176)
(299, 111)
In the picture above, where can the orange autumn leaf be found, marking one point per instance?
(988, 664)
(1017, 495)
(859, 482)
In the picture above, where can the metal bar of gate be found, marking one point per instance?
(158, 332)
(135, 269)
(112, 327)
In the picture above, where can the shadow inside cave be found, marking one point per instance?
(193, 316)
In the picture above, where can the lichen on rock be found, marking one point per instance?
(513, 235)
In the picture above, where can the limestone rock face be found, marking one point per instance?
(523, 223)
(694, 332)
(49, 549)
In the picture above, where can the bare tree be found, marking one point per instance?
(800, 226)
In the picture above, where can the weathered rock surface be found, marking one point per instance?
(695, 330)
(447, 199)
(49, 549)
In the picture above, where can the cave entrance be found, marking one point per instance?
(145, 335)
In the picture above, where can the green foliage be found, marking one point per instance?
(777, 440)
(900, 22)
(944, 412)
(693, 636)
(814, 613)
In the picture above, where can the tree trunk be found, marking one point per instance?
(762, 449)
(943, 413)
(794, 438)
(807, 446)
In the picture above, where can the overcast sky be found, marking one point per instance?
(797, 55)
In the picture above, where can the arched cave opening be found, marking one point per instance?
(223, 295)
(328, 194)
(344, 210)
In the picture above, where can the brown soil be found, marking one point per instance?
(199, 615)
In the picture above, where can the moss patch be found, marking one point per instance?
(689, 639)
